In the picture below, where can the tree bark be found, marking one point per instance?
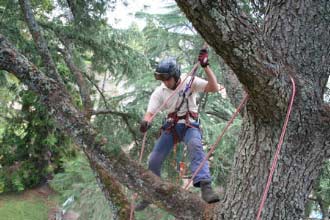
(233, 87)
(263, 60)
(39, 41)
(81, 82)
(113, 192)
(107, 159)
(292, 42)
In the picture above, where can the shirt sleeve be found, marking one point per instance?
(155, 101)
(198, 84)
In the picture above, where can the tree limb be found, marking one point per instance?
(236, 36)
(239, 42)
(54, 96)
(124, 116)
(83, 87)
(39, 40)
(107, 111)
(219, 114)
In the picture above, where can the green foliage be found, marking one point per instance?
(79, 181)
(127, 59)
(31, 146)
(325, 183)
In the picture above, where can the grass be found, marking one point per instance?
(32, 209)
(27, 205)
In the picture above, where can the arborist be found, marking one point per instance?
(182, 122)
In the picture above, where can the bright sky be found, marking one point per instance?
(123, 15)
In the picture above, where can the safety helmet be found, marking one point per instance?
(167, 68)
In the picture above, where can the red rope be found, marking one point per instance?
(218, 139)
(274, 163)
(192, 72)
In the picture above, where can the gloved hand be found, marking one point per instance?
(203, 58)
(144, 126)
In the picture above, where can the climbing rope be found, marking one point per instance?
(242, 104)
(191, 73)
(279, 145)
(218, 140)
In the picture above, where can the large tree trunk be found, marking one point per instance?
(263, 61)
(294, 42)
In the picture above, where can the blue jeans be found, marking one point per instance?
(192, 137)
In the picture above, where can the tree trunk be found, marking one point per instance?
(292, 42)
(263, 60)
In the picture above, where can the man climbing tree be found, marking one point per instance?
(182, 122)
(282, 40)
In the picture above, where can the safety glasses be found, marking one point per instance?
(162, 76)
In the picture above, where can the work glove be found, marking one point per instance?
(203, 58)
(144, 126)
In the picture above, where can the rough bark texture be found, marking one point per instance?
(83, 87)
(39, 40)
(293, 41)
(182, 204)
(113, 192)
(233, 87)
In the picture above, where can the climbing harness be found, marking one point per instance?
(191, 73)
(175, 117)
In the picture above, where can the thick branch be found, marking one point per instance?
(233, 36)
(73, 8)
(219, 114)
(107, 111)
(113, 193)
(239, 42)
(39, 40)
(83, 87)
(54, 96)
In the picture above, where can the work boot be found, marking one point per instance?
(142, 205)
(208, 194)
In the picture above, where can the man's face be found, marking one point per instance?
(170, 83)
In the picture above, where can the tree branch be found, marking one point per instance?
(113, 193)
(239, 42)
(39, 41)
(124, 116)
(54, 96)
(106, 111)
(219, 114)
(234, 36)
(83, 87)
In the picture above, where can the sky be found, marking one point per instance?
(123, 15)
